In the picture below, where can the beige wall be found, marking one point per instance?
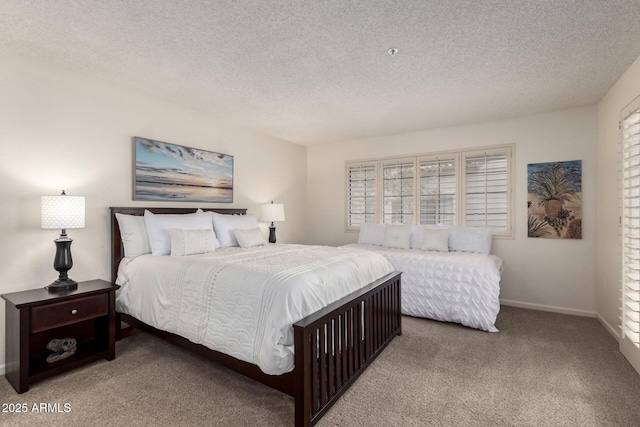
(63, 130)
(608, 228)
(548, 274)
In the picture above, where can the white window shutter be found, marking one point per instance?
(438, 186)
(361, 194)
(487, 190)
(398, 191)
(459, 187)
(631, 228)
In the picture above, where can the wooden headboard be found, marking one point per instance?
(117, 250)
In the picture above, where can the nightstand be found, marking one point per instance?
(35, 317)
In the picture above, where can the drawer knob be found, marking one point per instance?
(74, 311)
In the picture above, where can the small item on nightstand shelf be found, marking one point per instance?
(62, 348)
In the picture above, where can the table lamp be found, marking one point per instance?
(272, 212)
(62, 212)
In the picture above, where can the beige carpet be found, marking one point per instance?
(541, 369)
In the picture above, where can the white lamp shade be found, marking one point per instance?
(272, 212)
(62, 212)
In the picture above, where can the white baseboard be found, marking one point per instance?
(551, 308)
(2, 367)
(615, 332)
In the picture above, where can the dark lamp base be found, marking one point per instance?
(63, 263)
(62, 285)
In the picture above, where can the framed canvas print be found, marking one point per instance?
(169, 172)
(554, 200)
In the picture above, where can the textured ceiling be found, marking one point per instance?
(318, 71)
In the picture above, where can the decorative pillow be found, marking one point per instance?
(249, 237)
(417, 236)
(470, 239)
(224, 225)
(158, 228)
(417, 233)
(397, 236)
(133, 231)
(371, 234)
(191, 242)
(435, 239)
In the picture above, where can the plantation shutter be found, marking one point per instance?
(487, 190)
(437, 189)
(459, 187)
(398, 191)
(630, 322)
(361, 194)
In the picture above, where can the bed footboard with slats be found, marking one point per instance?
(336, 344)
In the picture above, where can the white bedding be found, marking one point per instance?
(460, 287)
(243, 302)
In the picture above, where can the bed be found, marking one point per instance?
(449, 276)
(321, 354)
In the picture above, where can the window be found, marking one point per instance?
(438, 188)
(467, 187)
(630, 129)
(361, 194)
(398, 194)
(486, 189)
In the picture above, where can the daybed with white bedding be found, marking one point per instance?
(448, 274)
(304, 320)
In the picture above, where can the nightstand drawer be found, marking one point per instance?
(68, 312)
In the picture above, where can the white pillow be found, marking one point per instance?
(371, 234)
(191, 242)
(397, 236)
(224, 225)
(158, 228)
(417, 233)
(249, 237)
(470, 239)
(133, 232)
(435, 239)
(417, 236)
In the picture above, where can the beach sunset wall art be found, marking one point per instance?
(168, 172)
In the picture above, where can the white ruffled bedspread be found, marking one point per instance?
(243, 302)
(460, 287)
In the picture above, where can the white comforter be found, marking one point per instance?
(243, 302)
(461, 287)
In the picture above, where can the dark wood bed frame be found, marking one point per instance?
(354, 330)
